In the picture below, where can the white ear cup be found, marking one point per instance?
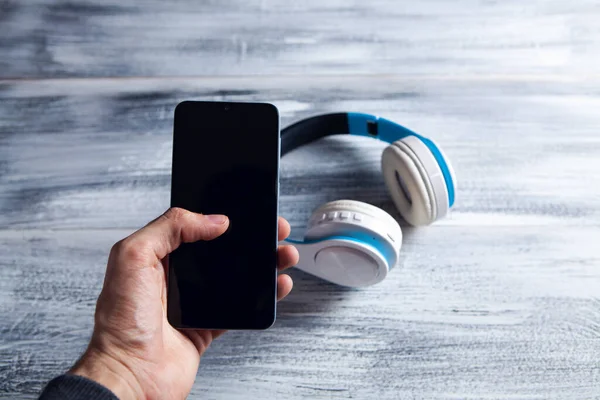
(350, 243)
(356, 209)
(409, 168)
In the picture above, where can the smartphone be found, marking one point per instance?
(226, 161)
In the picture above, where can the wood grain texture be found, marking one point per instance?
(446, 324)
(498, 301)
(43, 38)
(107, 145)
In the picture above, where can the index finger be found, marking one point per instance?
(283, 229)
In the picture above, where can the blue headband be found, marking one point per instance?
(308, 130)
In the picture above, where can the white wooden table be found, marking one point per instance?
(500, 300)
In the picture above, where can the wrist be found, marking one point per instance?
(110, 373)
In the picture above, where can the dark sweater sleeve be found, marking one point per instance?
(75, 387)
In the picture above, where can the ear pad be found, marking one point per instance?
(415, 181)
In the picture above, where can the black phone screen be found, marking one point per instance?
(226, 161)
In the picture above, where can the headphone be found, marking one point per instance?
(355, 244)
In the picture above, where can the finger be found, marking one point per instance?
(176, 226)
(284, 286)
(287, 256)
(283, 228)
(200, 338)
(218, 332)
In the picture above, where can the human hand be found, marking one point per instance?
(134, 351)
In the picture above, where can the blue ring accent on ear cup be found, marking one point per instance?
(361, 238)
(385, 130)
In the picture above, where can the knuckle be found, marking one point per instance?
(117, 247)
(175, 214)
(132, 250)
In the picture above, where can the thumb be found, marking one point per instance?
(176, 226)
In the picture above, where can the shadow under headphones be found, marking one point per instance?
(355, 244)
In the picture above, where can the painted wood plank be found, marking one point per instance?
(79, 154)
(497, 301)
(484, 312)
(46, 38)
